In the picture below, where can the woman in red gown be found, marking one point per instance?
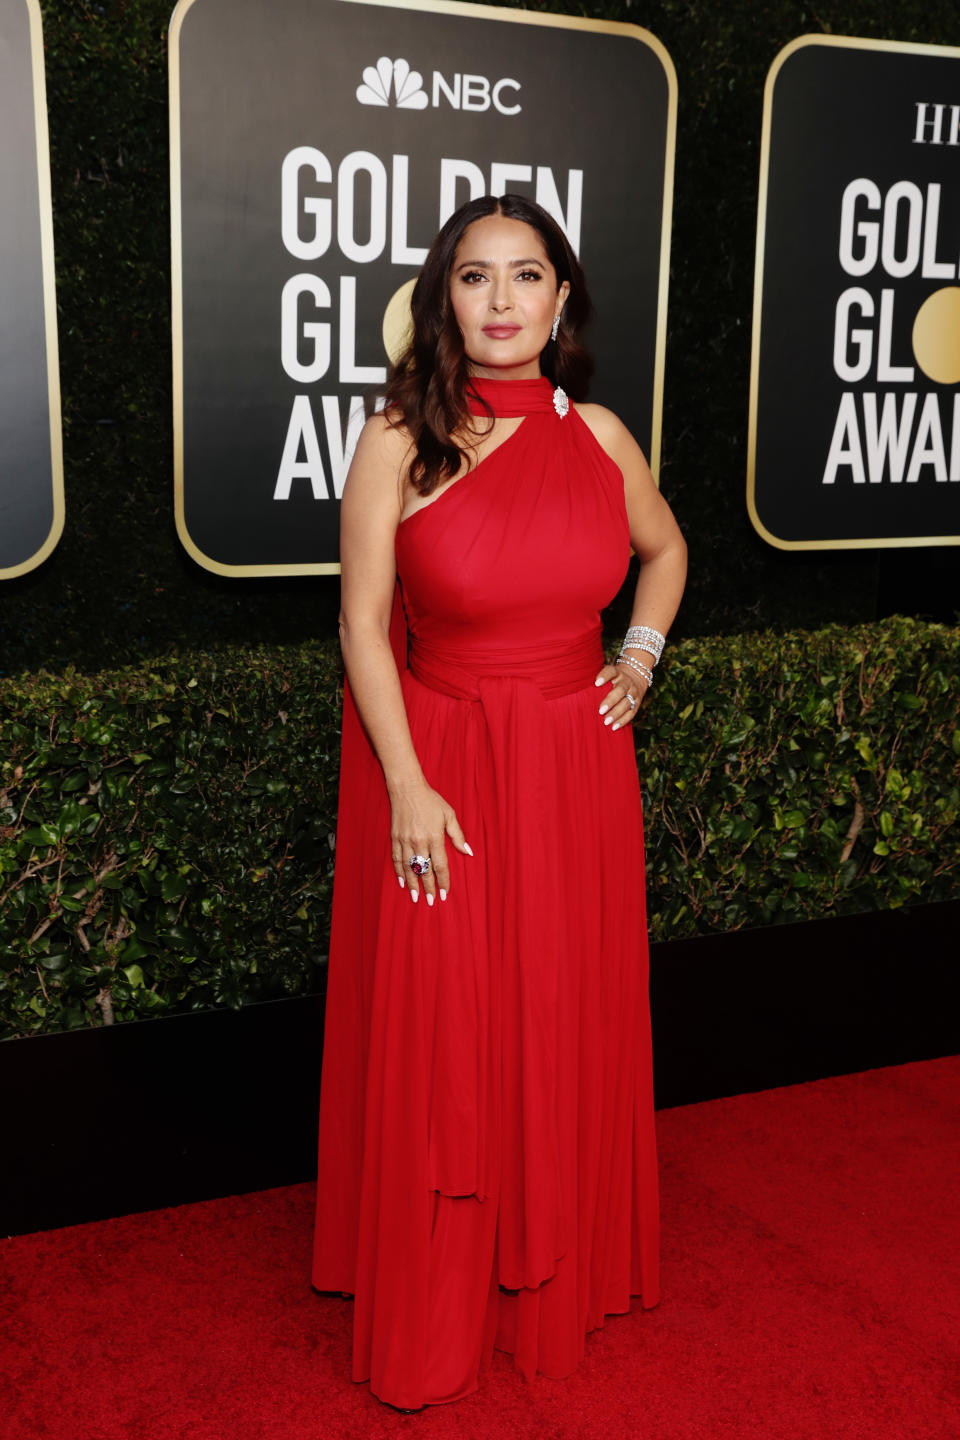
(487, 1164)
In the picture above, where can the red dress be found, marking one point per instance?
(487, 1163)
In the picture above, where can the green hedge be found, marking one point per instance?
(789, 777)
(166, 836)
(167, 831)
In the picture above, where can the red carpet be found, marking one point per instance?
(810, 1269)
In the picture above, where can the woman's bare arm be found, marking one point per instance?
(658, 543)
(369, 515)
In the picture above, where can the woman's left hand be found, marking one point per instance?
(615, 708)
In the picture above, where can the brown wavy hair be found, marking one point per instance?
(426, 390)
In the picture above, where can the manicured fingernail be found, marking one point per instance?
(429, 898)
(467, 848)
(617, 726)
(608, 720)
(414, 896)
(402, 881)
(443, 894)
(603, 709)
(599, 680)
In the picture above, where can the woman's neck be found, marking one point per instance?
(530, 371)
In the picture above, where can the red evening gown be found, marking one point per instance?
(487, 1163)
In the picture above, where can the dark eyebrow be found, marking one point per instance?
(532, 260)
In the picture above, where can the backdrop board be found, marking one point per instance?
(317, 146)
(31, 456)
(854, 432)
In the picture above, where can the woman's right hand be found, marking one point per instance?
(420, 820)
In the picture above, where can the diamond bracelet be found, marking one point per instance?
(643, 637)
(637, 665)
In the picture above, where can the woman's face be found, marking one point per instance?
(503, 289)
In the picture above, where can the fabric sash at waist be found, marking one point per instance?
(553, 670)
(518, 979)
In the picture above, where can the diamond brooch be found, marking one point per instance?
(560, 402)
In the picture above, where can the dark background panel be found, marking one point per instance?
(26, 477)
(838, 114)
(298, 66)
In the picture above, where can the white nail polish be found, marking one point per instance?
(603, 709)
(443, 894)
(414, 896)
(608, 720)
(599, 680)
(467, 848)
(429, 898)
(402, 881)
(617, 725)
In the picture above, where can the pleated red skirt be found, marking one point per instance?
(487, 1163)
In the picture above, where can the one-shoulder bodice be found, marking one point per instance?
(527, 548)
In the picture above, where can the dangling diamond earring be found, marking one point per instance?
(556, 327)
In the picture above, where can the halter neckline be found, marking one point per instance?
(509, 397)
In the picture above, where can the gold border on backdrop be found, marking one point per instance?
(852, 43)
(445, 7)
(49, 294)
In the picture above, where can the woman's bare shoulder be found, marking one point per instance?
(382, 457)
(609, 431)
(384, 440)
(375, 482)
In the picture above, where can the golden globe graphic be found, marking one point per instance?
(397, 322)
(301, 218)
(854, 434)
(936, 339)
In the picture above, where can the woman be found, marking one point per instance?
(487, 1168)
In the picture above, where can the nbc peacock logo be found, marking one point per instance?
(395, 75)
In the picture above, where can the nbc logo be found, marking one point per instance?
(461, 92)
(407, 85)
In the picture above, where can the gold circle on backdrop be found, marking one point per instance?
(936, 336)
(397, 324)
